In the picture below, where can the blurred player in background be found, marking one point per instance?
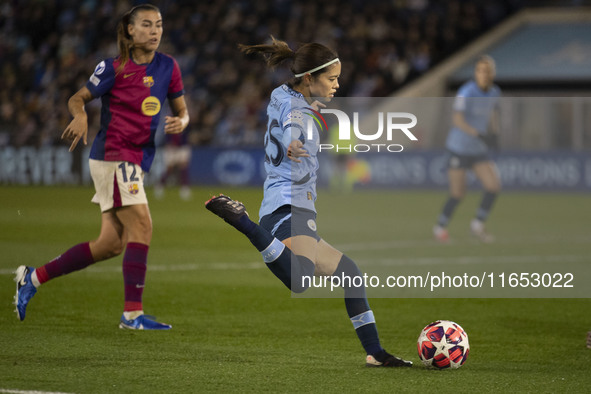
(473, 135)
(286, 235)
(177, 158)
(132, 88)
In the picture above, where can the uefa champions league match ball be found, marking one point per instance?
(443, 345)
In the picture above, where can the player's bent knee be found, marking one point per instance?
(113, 249)
(457, 192)
(116, 249)
(302, 269)
(348, 273)
(325, 269)
(498, 187)
(493, 187)
(103, 250)
(141, 232)
(348, 267)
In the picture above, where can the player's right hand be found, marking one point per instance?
(77, 129)
(317, 105)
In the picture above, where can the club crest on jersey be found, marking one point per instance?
(148, 81)
(151, 106)
(134, 188)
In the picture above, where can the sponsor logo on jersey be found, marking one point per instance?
(151, 106)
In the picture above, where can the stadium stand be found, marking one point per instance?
(49, 48)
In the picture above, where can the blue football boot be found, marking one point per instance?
(143, 322)
(25, 290)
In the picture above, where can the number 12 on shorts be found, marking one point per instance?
(133, 177)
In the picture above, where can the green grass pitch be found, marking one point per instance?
(236, 328)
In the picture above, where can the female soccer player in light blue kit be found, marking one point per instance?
(286, 235)
(473, 135)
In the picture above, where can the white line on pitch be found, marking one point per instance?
(402, 261)
(397, 244)
(9, 391)
(466, 260)
(169, 267)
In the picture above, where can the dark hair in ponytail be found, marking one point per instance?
(124, 40)
(307, 57)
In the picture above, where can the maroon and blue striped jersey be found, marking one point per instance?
(131, 107)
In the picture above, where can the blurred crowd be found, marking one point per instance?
(49, 48)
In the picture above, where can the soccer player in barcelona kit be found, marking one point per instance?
(287, 236)
(473, 135)
(177, 158)
(132, 88)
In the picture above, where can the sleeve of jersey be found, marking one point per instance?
(460, 100)
(176, 88)
(294, 128)
(102, 79)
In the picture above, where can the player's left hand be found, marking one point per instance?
(173, 125)
(295, 150)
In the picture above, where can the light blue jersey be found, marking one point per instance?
(288, 182)
(477, 106)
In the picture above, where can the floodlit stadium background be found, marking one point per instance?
(235, 327)
(398, 48)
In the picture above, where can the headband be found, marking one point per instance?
(317, 68)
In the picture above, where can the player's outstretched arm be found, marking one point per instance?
(78, 127)
(176, 124)
(295, 150)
